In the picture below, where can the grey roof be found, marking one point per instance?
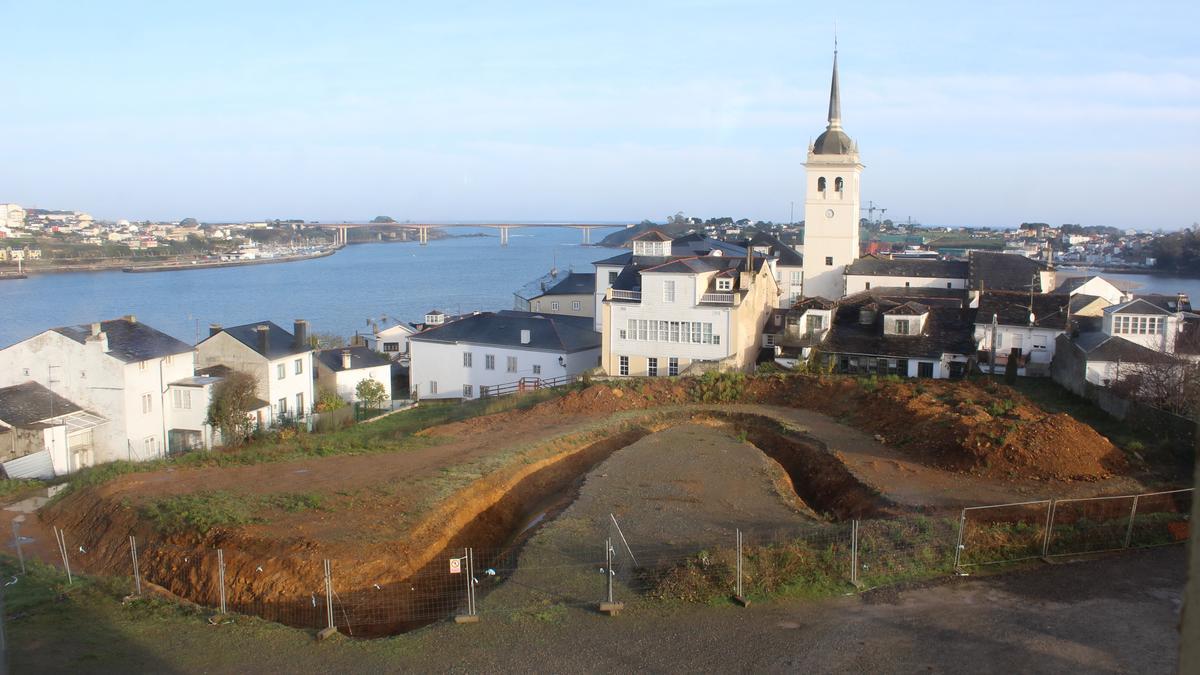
(1136, 306)
(652, 235)
(948, 329)
(893, 295)
(280, 343)
(548, 332)
(1012, 308)
(873, 265)
(689, 245)
(360, 357)
(1172, 303)
(1004, 272)
(786, 255)
(575, 283)
(1104, 347)
(1081, 300)
(130, 340)
(30, 402)
(910, 308)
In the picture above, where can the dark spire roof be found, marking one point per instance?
(834, 141)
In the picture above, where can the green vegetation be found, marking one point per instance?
(370, 392)
(716, 387)
(17, 488)
(202, 511)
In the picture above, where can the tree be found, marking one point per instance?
(371, 392)
(1172, 384)
(383, 219)
(328, 401)
(188, 222)
(234, 398)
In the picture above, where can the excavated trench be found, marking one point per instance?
(432, 594)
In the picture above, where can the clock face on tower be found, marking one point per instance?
(828, 213)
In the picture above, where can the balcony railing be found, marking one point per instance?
(627, 296)
(717, 298)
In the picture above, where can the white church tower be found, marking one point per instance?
(831, 205)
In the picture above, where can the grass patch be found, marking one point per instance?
(203, 511)
(19, 488)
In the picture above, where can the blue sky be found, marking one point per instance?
(965, 113)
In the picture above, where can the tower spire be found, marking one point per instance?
(835, 98)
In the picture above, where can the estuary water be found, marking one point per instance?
(337, 294)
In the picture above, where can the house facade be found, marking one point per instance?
(281, 363)
(122, 371)
(465, 358)
(569, 295)
(392, 341)
(873, 271)
(1029, 323)
(341, 369)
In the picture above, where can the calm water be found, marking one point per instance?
(337, 294)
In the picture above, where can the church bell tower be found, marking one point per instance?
(831, 205)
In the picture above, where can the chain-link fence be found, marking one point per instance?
(604, 570)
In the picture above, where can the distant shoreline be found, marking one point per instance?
(194, 265)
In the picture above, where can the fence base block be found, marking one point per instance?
(466, 618)
(611, 608)
(741, 601)
(326, 633)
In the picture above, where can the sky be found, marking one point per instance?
(977, 114)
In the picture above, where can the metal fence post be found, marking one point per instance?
(467, 566)
(1132, 517)
(61, 537)
(471, 580)
(610, 607)
(330, 629)
(958, 547)
(16, 527)
(1049, 527)
(854, 552)
(221, 576)
(739, 594)
(137, 574)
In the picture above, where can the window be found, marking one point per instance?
(147, 403)
(467, 391)
(433, 386)
(612, 278)
(902, 367)
(813, 323)
(1038, 342)
(642, 333)
(669, 290)
(576, 305)
(696, 332)
(675, 331)
(797, 278)
(623, 365)
(829, 261)
(300, 403)
(724, 284)
(673, 366)
(652, 367)
(768, 340)
(908, 284)
(150, 446)
(511, 364)
(708, 334)
(467, 359)
(489, 361)
(280, 371)
(182, 398)
(901, 326)
(299, 366)
(838, 184)
(537, 369)
(924, 369)
(821, 184)
(141, 365)
(391, 346)
(282, 406)
(867, 286)
(949, 285)
(554, 306)
(622, 334)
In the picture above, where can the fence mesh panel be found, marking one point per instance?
(1003, 533)
(891, 551)
(1089, 525)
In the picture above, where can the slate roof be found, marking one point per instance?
(1137, 306)
(130, 340)
(786, 255)
(1013, 308)
(1104, 347)
(29, 403)
(1081, 300)
(873, 265)
(895, 295)
(360, 357)
(630, 278)
(575, 283)
(814, 302)
(1171, 303)
(1003, 271)
(219, 370)
(689, 245)
(909, 308)
(948, 330)
(280, 343)
(652, 235)
(548, 332)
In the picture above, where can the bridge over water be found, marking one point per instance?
(421, 230)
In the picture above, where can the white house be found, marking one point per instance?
(281, 363)
(1027, 322)
(122, 371)
(1095, 286)
(341, 369)
(874, 271)
(43, 435)
(1144, 323)
(393, 340)
(787, 264)
(462, 358)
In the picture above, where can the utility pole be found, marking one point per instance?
(792, 213)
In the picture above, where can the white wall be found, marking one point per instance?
(826, 235)
(790, 290)
(346, 381)
(443, 363)
(602, 285)
(224, 349)
(856, 283)
(1162, 341)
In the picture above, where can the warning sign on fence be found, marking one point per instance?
(455, 565)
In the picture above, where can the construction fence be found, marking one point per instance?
(605, 571)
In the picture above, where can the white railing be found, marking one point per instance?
(719, 298)
(635, 296)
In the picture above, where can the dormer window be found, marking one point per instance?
(725, 284)
(901, 327)
(651, 248)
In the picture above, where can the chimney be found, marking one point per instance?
(96, 329)
(300, 330)
(130, 318)
(345, 359)
(524, 337)
(264, 339)
(213, 329)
